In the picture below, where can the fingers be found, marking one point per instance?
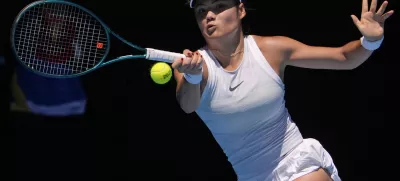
(186, 61)
(373, 6)
(192, 63)
(197, 59)
(181, 63)
(388, 14)
(177, 63)
(355, 20)
(191, 59)
(372, 9)
(187, 53)
(364, 6)
(199, 64)
(382, 8)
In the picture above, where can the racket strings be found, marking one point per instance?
(59, 39)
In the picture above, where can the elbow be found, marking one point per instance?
(352, 67)
(187, 106)
(188, 98)
(349, 64)
(346, 62)
(354, 55)
(188, 109)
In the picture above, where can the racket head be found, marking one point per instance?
(59, 39)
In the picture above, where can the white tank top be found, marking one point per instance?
(245, 111)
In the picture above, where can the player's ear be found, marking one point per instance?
(242, 11)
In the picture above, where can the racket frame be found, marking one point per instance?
(101, 63)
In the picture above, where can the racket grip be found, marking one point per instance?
(161, 55)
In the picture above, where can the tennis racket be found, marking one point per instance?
(61, 39)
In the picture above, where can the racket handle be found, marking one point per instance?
(161, 55)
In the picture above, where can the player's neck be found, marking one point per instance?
(228, 50)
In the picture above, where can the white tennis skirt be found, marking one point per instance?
(307, 157)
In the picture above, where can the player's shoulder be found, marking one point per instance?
(275, 49)
(275, 43)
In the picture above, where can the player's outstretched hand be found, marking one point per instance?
(372, 21)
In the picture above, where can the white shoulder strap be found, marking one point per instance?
(253, 47)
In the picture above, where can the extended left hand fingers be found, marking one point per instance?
(382, 8)
(364, 7)
(373, 6)
(387, 15)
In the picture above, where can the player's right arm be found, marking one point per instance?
(189, 94)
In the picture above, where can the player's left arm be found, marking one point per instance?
(349, 56)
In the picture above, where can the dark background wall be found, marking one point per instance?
(143, 132)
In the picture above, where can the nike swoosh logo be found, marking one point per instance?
(233, 88)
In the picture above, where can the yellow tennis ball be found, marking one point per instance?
(161, 73)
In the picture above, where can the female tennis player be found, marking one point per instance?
(233, 84)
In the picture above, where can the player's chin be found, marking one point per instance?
(212, 34)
